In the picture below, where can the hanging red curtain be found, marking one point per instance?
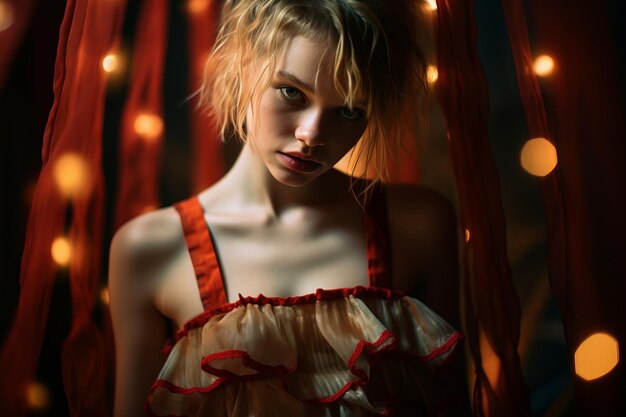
(14, 20)
(492, 311)
(142, 125)
(405, 167)
(70, 176)
(584, 197)
(207, 152)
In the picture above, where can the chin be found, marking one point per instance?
(293, 178)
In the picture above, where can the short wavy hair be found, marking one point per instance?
(377, 58)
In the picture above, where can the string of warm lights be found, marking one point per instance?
(598, 354)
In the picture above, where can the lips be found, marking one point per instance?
(298, 161)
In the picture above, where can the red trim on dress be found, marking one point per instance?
(246, 360)
(321, 294)
(214, 300)
(267, 371)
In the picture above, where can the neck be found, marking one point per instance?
(255, 185)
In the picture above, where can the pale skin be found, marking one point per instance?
(278, 231)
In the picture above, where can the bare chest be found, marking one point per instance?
(286, 259)
(279, 263)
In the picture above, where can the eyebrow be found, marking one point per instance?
(295, 80)
(302, 84)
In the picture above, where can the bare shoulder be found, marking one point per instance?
(141, 252)
(153, 231)
(142, 247)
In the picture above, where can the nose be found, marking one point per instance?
(309, 129)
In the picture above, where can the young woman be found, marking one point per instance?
(281, 277)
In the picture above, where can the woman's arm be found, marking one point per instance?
(139, 328)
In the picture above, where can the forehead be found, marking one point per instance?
(312, 61)
(308, 58)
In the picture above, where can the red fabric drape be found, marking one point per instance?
(141, 140)
(89, 29)
(207, 152)
(405, 168)
(584, 197)
(18, 13)
(491, 304)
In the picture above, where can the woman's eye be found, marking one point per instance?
(291, 94)
(351, 114)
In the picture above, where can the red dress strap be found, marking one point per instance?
(378, 240)
(202, 252)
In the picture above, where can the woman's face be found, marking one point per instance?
(302, 126)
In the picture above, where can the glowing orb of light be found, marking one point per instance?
(6, 15)
(104, 295)
(596, 356)
(37, 396)
(543, 65)
(71, 174)
(538, 157)
(431, 5)
(61, 251)
(110, 63)
(467, 235)
(148, 125)
(432, 74)
(197, 6)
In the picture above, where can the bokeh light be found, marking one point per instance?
(431, 5)
(104, 296)
(543, 65)
(71, 174)
(538, 157)
(61, 250)
(596, 356)
(37, 396)
(110, 63)
(432, 74)
(467, 235)
(197, 6)
(148, 125)
(6, 15)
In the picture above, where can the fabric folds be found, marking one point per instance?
(324, 354)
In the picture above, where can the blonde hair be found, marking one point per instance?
(377, 59)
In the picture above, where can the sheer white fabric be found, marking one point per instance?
(348, 356)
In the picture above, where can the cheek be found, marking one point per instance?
(269, 109)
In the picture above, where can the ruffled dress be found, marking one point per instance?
(363, 351)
